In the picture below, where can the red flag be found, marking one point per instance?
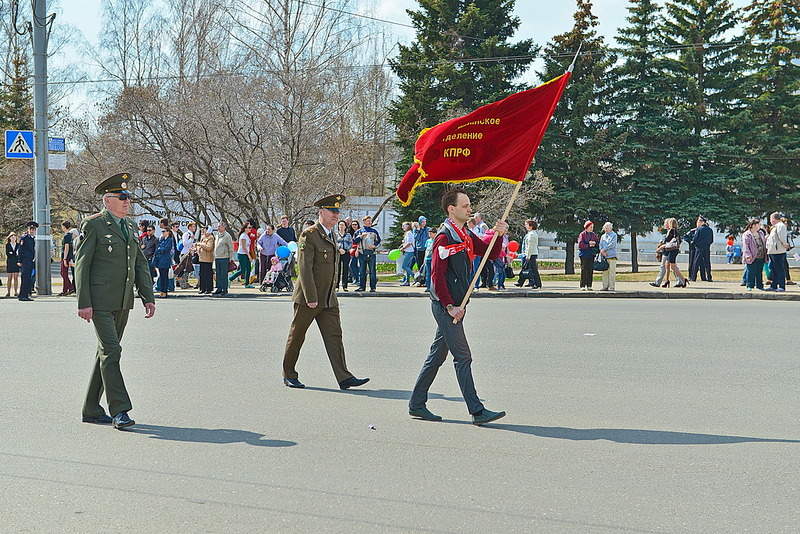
(495, 142)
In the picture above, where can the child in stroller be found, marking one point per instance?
(279, 277)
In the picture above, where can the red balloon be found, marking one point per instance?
(513, 246)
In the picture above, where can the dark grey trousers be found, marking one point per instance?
(449, 337)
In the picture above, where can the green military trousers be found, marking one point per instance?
(330, 327)
(107, 375)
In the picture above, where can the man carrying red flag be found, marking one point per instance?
(495, 142)
(453, 246)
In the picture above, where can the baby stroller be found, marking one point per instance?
(280, 280)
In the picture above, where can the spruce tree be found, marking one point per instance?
(436, 87)
(16, 104)
(578, 148)
(638, 105)
(16, 113)
(771, 118)
(703, 69)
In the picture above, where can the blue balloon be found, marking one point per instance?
(283, 252)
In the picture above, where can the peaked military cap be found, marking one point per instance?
(32, 224)
(331, 202)
(116, 184)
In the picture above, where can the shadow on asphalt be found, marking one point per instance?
(208, 435)
(392, 394)
(626, 435)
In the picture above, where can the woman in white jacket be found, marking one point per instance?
(777, 246)
(530, 249)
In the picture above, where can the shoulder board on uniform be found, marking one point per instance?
(90, 218)
(308, 231)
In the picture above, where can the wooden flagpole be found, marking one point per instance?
(485, 257)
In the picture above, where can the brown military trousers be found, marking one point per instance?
(330, 327)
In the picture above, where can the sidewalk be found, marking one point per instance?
(699, 290)
(555, 289)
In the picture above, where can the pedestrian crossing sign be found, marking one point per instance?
(19, 144)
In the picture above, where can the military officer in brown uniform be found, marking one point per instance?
(315, 296)
(108, 264)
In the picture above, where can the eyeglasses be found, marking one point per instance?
(122, 196)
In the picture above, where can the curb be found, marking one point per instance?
(790, 297)
(654, 295)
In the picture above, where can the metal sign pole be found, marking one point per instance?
(41, 194)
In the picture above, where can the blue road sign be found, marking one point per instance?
(19, 144)
(56, 144)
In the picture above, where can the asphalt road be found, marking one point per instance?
(623, 416)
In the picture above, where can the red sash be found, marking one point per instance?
(466, 244)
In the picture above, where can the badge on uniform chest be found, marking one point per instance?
(110, 248)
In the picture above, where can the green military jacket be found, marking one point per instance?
(107, 266)
(318, 262)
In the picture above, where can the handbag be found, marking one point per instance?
(509, 272)
(232, 265)
(600, 263)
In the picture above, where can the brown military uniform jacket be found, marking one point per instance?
(318, 262)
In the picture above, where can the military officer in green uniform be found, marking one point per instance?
(108, 264)
(314, 296)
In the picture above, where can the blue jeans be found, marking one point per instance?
(777, 263)
(221, 266)
(408, 260)
(355, 269)
(449, 338)
(428, 266)
(163, 280)
(754, 272)
(475, 264)
(500, 272)
(367, 263)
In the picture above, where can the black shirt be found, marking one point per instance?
(11, 253)
(67, 242)
(287, 234)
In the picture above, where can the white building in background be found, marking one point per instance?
(549, 248)
(355, 207)
(358, 207)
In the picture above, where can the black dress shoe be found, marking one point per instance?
(352, 382)
(486, 416)
(121, 420)
(25, 299)
(97, 419)
(293, 383)
(216, 292)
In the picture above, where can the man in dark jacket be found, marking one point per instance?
(148, 243)
(689, 238)
(703, 238)
(25, 261)
(452, 274)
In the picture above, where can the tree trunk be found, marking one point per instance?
(569, 261)
(634, 253)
